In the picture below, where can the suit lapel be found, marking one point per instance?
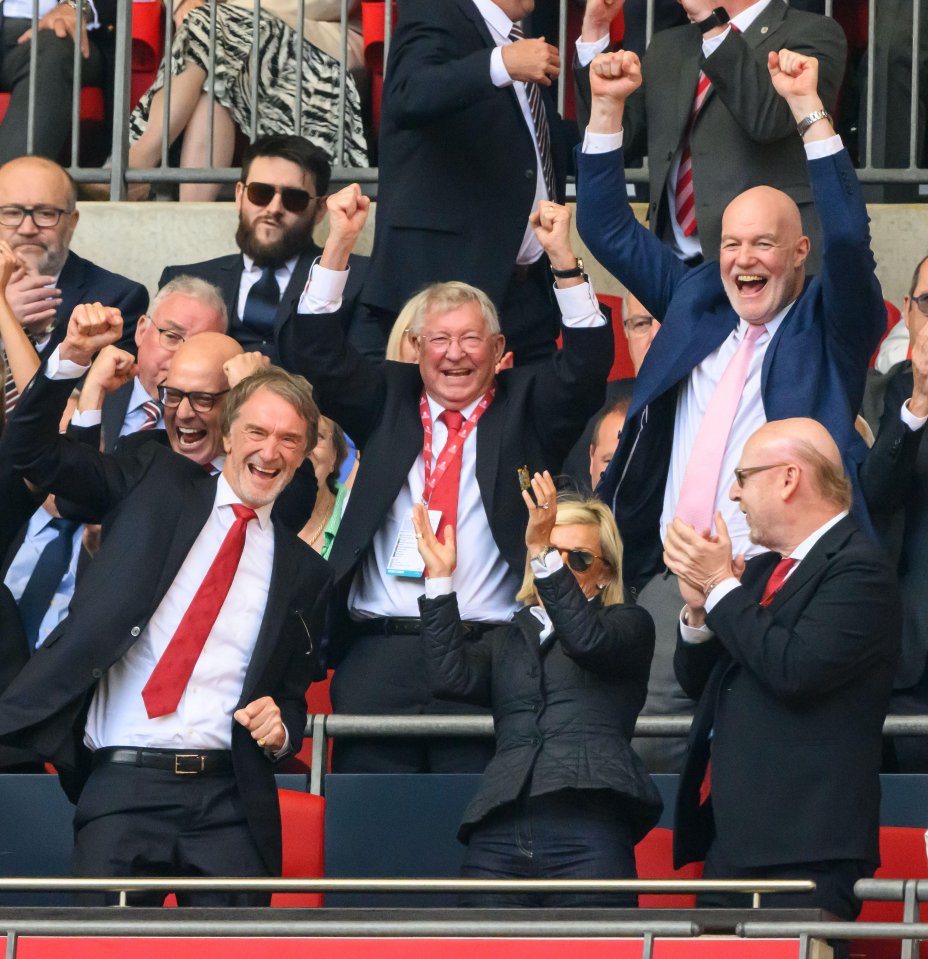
(115, 408)
(230, 279)
(766, 24)
(296, 285)
(489, 438)
(275, 611)
(71, 281)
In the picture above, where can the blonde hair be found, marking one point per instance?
(402, 326)
(575, 511)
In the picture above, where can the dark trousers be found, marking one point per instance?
(834, 884)
(54, 85)
(386, 674)
(140, 822)
(570, 834)
(529, 314)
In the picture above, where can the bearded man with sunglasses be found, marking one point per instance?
(280, 200)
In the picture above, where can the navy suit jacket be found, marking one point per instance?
(457, 161)
(156, 503)
(794, 696)
(814, 367)
(84, 282)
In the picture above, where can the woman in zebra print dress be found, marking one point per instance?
(234, 103)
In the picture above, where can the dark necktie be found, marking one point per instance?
(262, 302)
(172, 672)
(47, 574)
(445, 494)
(540, 122)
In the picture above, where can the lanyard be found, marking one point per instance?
(432, 478)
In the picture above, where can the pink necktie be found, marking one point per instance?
(701, 479)
(172, 672)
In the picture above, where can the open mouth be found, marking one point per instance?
(262, 474)
(750, 284)
(457, 373)
(189, 438)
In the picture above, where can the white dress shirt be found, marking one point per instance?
(38, 535)
(203, 719)
(500, 26)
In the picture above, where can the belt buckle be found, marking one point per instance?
(178, 762)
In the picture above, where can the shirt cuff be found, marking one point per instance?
(601, 142)
(818, 149)
(324, 290)
(499, 75)
(284, 750)
(586, 51)
(579, 306)
(549, 564)
(58, 369)
(720, 592)
(713, 43)
(693, 635)
(87, 418)
(92, 23)
(913, 422)
(437, 586)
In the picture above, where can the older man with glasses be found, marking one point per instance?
(280, 199)
(38, 216)
(180, 310)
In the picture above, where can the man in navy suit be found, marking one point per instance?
(38, 216)
(814, 335)
(792, 660)
(179, 675)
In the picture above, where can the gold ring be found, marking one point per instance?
(543, 505)
(262, 742)
(418, 536)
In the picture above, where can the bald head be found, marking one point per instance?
(36, 182)
(763, 253)
(196, 371)
(793, 482)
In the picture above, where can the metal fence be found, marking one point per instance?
(895, 92)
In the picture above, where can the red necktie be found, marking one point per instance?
(684, 196)
(445, 494)
(777, 579)
(172, 672)
(152, 411)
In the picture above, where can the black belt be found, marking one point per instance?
(408, 626)
(210, 762)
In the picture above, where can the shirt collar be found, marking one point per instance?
(226, 497)
(494, 17)
(547, 627)
(770, 327)
(744, 19)
(805, 547)
(287, 267)
(139, 395)
(436, 409)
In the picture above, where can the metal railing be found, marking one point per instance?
(878, 94)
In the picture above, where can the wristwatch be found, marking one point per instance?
(814, 117)
(576, 270)
(718, 18)
(543, 553)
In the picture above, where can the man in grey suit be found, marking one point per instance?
(742, 134)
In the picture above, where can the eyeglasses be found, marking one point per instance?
(639, 325)
(579, 560)
(292, 199)
(441, 342)
(42, 216)
(922, 303)
(742, 471)
(200, 401)
(168, 338)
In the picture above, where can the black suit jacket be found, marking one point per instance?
(225, 272)
(794, 696)
(457, 160)
(84, 282)
(157, 503)
(537, 414)
(894, 480)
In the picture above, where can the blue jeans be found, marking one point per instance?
(571, 834)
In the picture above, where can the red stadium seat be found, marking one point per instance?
(373, 31)
(902, 855)
(317, 701)
(893, 316)
(654, 858)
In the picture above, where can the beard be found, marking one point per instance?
(292, 242)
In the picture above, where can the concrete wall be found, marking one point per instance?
(139, 239)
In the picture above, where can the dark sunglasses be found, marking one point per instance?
(920, 301)
(201, 401)
(579, 560)
(292, 199)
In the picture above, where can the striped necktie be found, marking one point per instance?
(152, 411)
(540, 122)
(684, 196)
